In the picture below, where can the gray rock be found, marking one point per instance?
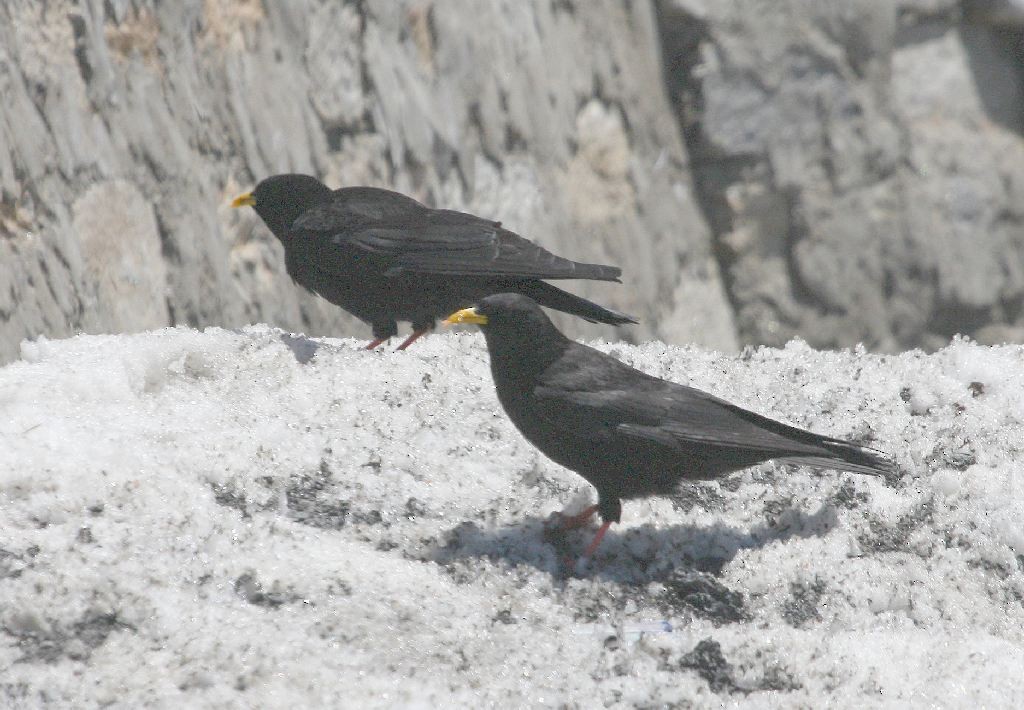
(121, 255)
(843, 171)
(860, 163)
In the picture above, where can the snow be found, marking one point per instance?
(252, 518)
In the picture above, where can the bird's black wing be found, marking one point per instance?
(666, 418)
(408, 237)
(456, 243)
(593, 395)
(336, 235)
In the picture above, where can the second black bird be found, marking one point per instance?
(628, 433)
(385, 257)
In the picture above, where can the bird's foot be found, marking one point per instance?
(555, 529)
(374, 343)
(578, 565)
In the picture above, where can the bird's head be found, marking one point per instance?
(502, 311)
(280, 199)
(511, 322)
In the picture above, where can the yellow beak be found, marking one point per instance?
(246, 200)
(466, 315)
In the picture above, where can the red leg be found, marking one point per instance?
(374, 343)
(412, 339)
(597, 540)
(577, 566)
(559, 523)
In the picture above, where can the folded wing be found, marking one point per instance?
(408, 237)
(606, 398)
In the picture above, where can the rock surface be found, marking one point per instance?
(861, 163)
(843, 171)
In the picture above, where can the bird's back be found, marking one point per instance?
(636, 434)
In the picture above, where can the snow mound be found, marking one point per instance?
(242, 518)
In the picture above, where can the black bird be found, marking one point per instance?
(385, 257)
(628, 433)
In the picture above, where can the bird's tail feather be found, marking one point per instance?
(845, 456)
(553, 297)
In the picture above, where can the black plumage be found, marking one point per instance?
(385, 257)
(628, 433)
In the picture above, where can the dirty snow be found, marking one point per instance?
(242, 518)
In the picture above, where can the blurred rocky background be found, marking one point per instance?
(843, 170)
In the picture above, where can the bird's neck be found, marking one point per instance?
(281, 219)
(520, 361)
(280, 225)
